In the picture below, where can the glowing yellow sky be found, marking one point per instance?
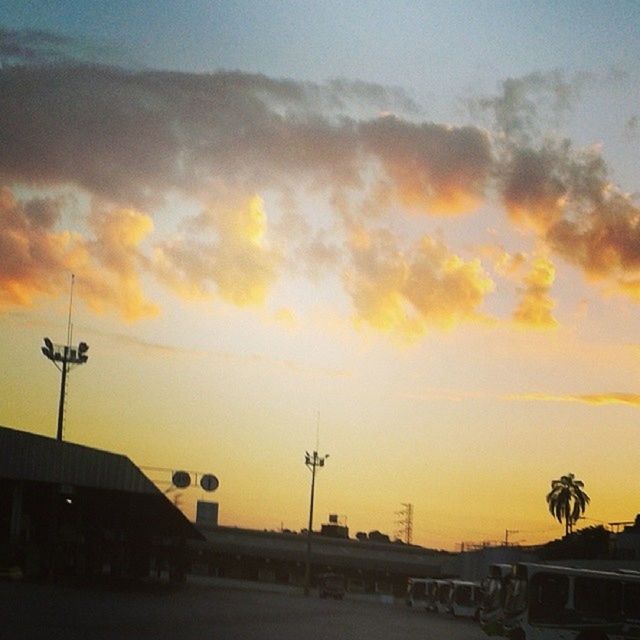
(453, 303)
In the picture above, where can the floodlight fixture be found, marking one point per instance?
(64, 357)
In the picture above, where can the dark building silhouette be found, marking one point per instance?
(70, 510)
(279, 557)
(334, 530)
(627, 543)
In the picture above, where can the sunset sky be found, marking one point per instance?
(412, 227)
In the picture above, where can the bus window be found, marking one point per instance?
(418, 590)
(548, 597)
(492, 598)
(598, 598)
(444, 593)
(516, 597)
(632, 601)
(463, 595)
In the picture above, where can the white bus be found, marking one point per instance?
(432, 594)
(465, 599)
(416, 592)
(443, 596)
(494, 589)
(546, 602)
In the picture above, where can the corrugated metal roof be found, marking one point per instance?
(27, 456)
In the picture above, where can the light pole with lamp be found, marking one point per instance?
(312, 461)
(65, 357)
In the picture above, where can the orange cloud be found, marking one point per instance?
(118, 235)
(407, 293)
(444, 288)
(533, 194)
(605, 241)
(536, 305)
(566, 198)
(241, 263)
(431, 168)
(613, 397)
(37, 259)
(34, 258)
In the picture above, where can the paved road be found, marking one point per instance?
(35, 612)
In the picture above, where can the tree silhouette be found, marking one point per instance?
(567, 500)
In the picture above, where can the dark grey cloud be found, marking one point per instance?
(133, 136)
(566, 196)
(32, 46)
(431, 166)
(526, 106)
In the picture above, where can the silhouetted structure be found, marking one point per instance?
(590, 543)
(405, 522)
(65, 357)
(335, 528)
(269, 556)
(67, 509)
(627, 543)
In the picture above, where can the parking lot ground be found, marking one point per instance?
(52, 612)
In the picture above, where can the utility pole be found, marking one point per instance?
(506, 536)
(406, 522)
(312, 461)
(68, 356)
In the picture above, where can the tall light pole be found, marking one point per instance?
(65, 357)
(313, 461)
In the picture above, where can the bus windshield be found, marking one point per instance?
(492, 598)
(516, 597)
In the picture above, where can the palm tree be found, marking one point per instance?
(567, 500)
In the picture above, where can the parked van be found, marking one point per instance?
(466, 598)
(416, 592)
(443, 597)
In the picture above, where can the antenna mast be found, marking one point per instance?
(69, 325)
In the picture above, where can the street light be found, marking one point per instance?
(65, 357)
(312, 461)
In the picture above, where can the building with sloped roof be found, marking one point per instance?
(67, 509)
(368, 566)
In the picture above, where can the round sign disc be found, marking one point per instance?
(209, 482)
(181, 479)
